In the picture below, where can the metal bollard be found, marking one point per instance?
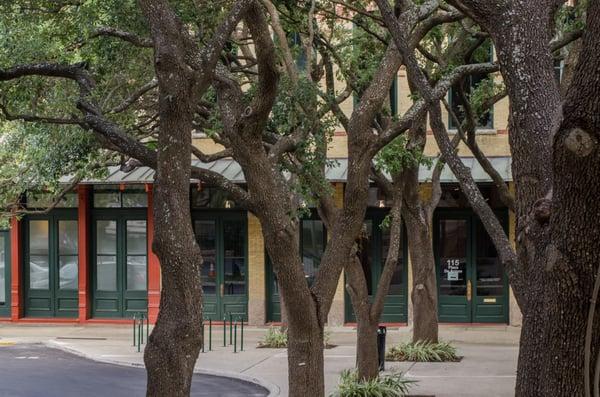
(381, 332)
(224, 331)
(230, 326)
(202, 336)
(242, 336)
(142, 326)
(235, 338)
(209, 334)
(147, 328)
(134, 325)
(139, 336)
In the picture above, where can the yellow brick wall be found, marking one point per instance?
(257, 307)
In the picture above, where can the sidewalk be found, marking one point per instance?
(488, 367)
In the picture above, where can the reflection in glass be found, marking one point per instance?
(396, 284)
(234, 260)
(107, 199)
(490, 275)
(453, 256)
(67, 237)
(106, 237)
(206, 236)
(136, 273)
(106, 272)
(39, 277)
(2, 271)
(68, 272)
(313, 245)
(136, 237)
(135, 200)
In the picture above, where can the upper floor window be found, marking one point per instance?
(469, 84)
(111, 196)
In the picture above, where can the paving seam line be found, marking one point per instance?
(273, 389)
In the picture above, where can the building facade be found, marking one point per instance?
(90, 260)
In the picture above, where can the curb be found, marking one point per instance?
(273, 389)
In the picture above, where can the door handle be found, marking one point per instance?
(222, 289)
(469, 291)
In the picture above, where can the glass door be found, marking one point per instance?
(222, 240)
(454, 272)
(51, 265)
(120, 265)
(4, 273)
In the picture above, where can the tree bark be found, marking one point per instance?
(367, 358)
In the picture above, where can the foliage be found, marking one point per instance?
(276, 338)
(396, 157)
(422, 351)
(392, 385)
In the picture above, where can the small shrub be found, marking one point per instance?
(392, 385)
(275, 338)
(422, 351)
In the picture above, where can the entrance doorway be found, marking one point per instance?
(51, 264)
(472, 285)
(120, 263)
(224, 272)
(4, 273)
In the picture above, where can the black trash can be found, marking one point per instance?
(381, 331)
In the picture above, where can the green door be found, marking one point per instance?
(222, 240)
(4, 273)
(120, 263)
(374, 245)
(313, 238)
(472, 286)
(51, 264)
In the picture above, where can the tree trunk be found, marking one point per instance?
(367, 357)
(424, 292)
(305, 359)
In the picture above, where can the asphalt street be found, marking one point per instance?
(30, 370)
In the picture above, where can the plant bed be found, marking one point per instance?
(390, 385)
(423, 352)
(276, 338)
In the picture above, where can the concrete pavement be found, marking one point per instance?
(488, 367)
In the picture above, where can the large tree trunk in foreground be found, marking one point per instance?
(573, 255)
(174, 344)
(424, 292)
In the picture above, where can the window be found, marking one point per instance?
(45, 200)
(109, 196)
(210, 197)
(470, 84)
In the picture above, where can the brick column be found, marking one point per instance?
(16, 277)
(83, 244)
(257, 304)
(153, 264)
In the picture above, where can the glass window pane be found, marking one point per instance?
(396, 284)
(235, 276)
(233, 236)
(107, 199)
(453, 256)
(2, 270)
(38, 238)
(136, 273)
(136, 238)
(209, 197)
(490, 274)
(68, 272)
(44, 200)
(313, 240)
(106, 237)
(106, 271)
(38, 272)
(206, 233)
(67, 237)
(135, 200)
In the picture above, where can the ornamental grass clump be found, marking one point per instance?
(391, 385)
(276, 338)
(423, 351)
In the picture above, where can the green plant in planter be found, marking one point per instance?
(276, 338)
(392, 385)
(422, 351)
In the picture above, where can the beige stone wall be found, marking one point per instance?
(257, 303)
